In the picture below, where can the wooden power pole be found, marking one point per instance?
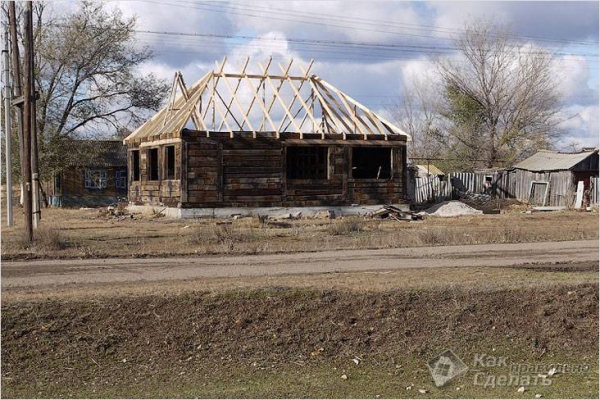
(24, 104)
(7, 130)
(16, 75)
(30, 62)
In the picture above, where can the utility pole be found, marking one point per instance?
(30, 60)
(7, 131)
(16, 73)
(26, 160)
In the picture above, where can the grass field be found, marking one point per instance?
(88, 233)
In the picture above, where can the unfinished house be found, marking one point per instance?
(551, 178)
(266, 137)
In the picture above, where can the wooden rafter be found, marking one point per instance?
(237, 86)
(265, 113)
(359, 123)
(281, 82)
(285, 108)
(295, 94)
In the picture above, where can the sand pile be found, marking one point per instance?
(451, 209)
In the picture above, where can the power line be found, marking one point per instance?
(339, 43)
(312, 18)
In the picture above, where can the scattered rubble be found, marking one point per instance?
(391, 212)
(118, 212)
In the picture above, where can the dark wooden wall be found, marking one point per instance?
(251, 172)
(590, 164)
(161, 191)
(72, 191)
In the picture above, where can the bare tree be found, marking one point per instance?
(509, 88)
(86, 77)
(418, 116)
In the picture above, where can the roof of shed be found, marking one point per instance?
(257, 100)
(547, 160)
(432, 169)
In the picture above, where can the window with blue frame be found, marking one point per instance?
(121, 179)
(95, 179)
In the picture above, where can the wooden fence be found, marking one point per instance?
(595, 190)
(452, 186)
(538, 188)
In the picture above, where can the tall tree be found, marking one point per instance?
(501, 96)
(87, 78)
(418, 115)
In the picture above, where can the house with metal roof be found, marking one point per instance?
(551, 178)
(271, 136)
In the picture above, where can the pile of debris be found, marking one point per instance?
(118, 212)
(451, 209)
(480, 198)
(394, 213)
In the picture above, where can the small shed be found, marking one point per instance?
(551, 177)
(94, 174)
(427, 170)
(265, 137)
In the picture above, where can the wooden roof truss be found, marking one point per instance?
(261, 100)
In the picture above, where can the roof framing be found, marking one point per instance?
(262, 100)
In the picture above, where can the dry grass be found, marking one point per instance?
(86, 233)
(46, 239)
(347, 226)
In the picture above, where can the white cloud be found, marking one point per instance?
(357, 21)
(450, 16)
(581, 125)
(355, 71)
(573, 75)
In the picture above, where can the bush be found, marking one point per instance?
(346, 226)
(49, 239)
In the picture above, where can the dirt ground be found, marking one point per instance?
(85, 234)
(297, 342)
(254, 322)
(47, 275)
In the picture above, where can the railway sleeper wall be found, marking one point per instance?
(157, 177)
(253, 172)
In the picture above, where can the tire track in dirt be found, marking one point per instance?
(60, 272)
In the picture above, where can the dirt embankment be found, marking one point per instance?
(184, 345)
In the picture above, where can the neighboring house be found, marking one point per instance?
(550, 178)
(96, 175)
(265, 139)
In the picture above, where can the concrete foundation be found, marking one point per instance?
(272, 212)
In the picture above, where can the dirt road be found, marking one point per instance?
(61, 272)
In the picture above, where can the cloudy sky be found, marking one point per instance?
(372, 50)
